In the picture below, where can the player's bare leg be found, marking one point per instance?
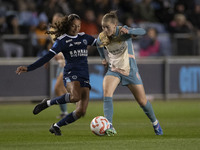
(139, 94)
(81, 107)
(60, 90)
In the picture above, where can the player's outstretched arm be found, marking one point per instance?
(46, 58)
(132, 31)
(21, 69)
(40, 62)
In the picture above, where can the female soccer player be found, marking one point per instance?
(122, 67)
(73, 45)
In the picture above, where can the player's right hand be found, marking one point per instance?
(123, 31)
(21, 69)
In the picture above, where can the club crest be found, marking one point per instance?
(85, 41)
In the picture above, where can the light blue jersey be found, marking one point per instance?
(122, 63)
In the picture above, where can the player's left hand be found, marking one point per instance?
(21, 69)
(105, 63)
(123, 31)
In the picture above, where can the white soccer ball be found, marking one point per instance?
(99, 125)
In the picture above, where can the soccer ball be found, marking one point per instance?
(99, 125)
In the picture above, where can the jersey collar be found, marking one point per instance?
(72, 36)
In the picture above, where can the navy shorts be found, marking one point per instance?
(84, 82)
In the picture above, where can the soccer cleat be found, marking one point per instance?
(158, 129)
(55, 130)
(111, 131)
(41, 106)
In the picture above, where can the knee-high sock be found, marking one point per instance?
(68, 119)
(108, 108)
(60, 100)
(63, 108)
(148, 110)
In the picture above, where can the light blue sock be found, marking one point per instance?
(148, 110)
(108, 108)
(63, 108)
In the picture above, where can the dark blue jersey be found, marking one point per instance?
(74, 49)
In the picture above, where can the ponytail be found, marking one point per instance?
(111, 16)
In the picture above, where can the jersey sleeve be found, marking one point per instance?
(40, 62)
(135, 31)
(100, 48)
(57, 47)
(91, 40)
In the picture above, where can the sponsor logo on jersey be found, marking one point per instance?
(80, 52)
(70, 45)
(67, 41)
(118, 50)
(77, 43)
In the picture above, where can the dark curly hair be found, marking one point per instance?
(63, 25)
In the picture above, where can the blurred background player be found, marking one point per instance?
(73, 45)
(122, 68)
(59, 86)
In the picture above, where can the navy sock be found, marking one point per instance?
(148, 110)
(108, 108)
(68, 119)
(61, 99)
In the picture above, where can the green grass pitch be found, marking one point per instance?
(180, 120)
